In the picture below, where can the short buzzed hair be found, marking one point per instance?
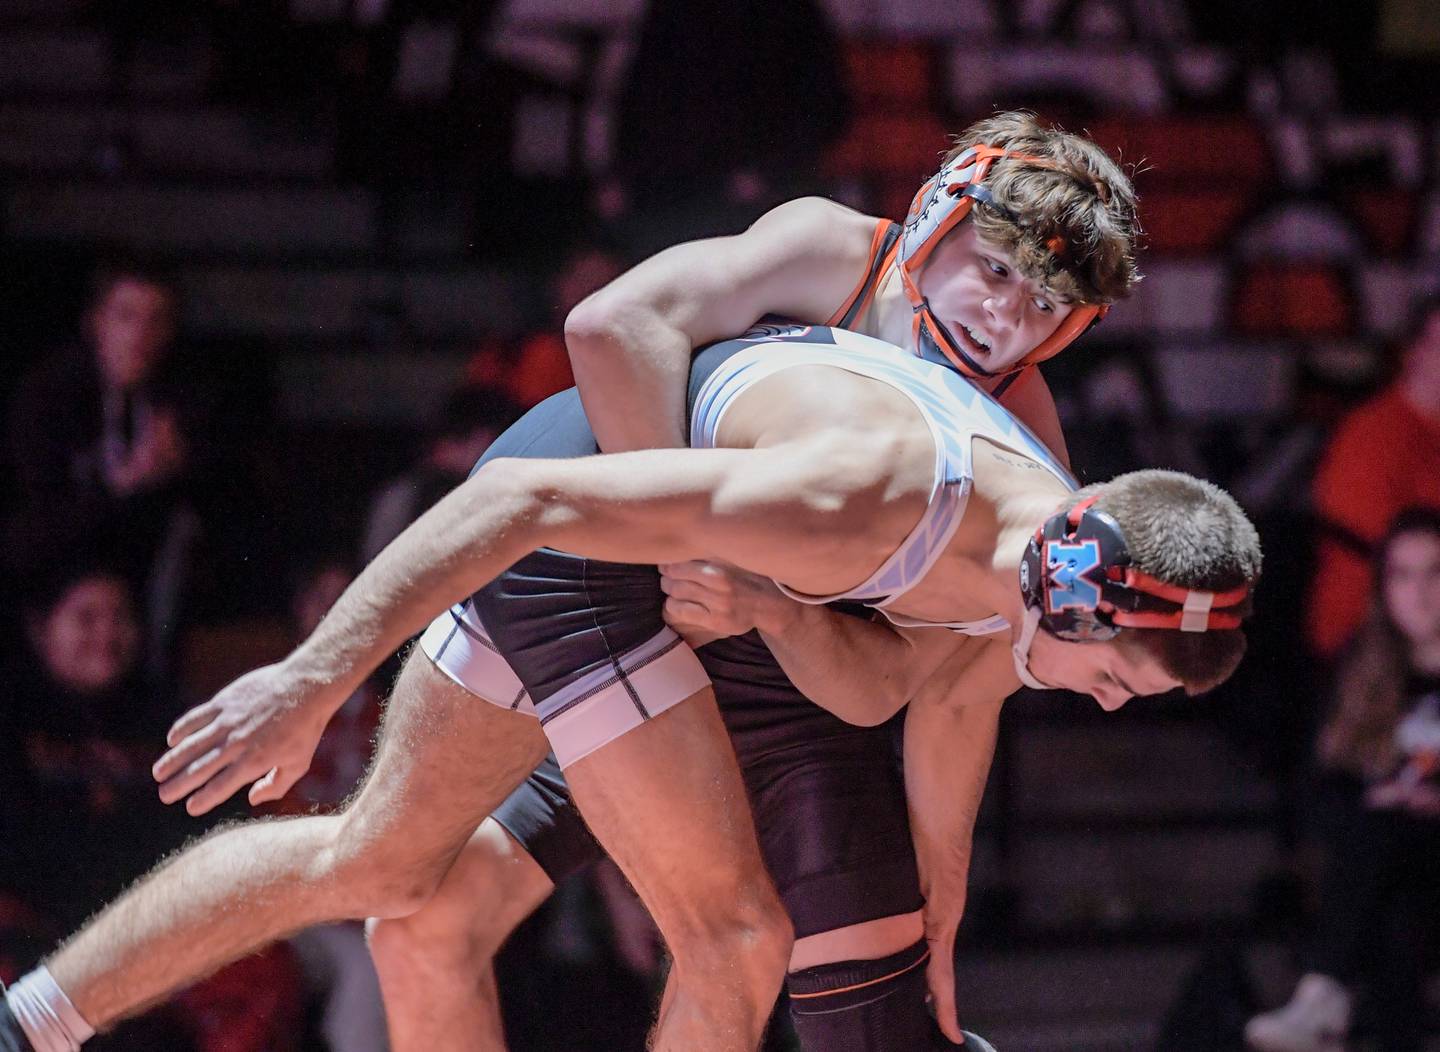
(1189, 533)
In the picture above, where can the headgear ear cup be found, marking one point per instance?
(1077, 572)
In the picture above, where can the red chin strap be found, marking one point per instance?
(939, 206)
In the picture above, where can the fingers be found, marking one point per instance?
(941, 978)
(681, 612)
(275, 785)
(220, 788)
(689, 590)
(263, 791)
(692, 570)
(191, 722)
(186, 753)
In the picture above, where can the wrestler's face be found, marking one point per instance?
(996, 314)
(1111, 672)
(1412, 585)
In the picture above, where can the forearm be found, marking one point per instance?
(844, 664)
(648, 506)
(452, 550)
(948, 750)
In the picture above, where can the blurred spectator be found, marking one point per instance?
(105, 440)
(79, 796)
(1380, 895)
(471, 419)
(80, 816)
(334, 958)
(1380, 461)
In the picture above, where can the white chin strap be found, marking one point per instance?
(1021, 649)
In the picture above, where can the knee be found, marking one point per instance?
(422, 943)
(753, 930)
(377, 877)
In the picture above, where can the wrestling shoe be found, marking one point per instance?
(1316, 1019)
(12, 1038)
(975, 1043)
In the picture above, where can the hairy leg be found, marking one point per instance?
(437, 965)
(445, 760)
(667, 803)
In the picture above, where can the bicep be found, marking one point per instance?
(799, 260)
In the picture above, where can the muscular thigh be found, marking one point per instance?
(667, 803)
(444, 761)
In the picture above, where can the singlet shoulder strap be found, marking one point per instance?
(1009, 382)
(882, 245)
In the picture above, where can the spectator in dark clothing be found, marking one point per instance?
(81, 738)
(1380, 894)
(80, 816)
(105, 442)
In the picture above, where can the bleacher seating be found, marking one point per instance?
(242, 219)
(1122, 842)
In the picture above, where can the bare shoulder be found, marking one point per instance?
(820, 227)
(979, 670)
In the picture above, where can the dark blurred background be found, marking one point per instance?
(331, 242)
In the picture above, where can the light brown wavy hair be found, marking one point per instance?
(1079, 195)
(1371, 678)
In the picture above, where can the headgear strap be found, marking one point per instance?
(1077, 572)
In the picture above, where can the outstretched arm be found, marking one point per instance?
(950, 734)
(782, 510)
(631, 342)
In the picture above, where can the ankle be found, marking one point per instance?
(48, 1018)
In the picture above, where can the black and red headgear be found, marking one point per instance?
(938, 207)
(1077, 574)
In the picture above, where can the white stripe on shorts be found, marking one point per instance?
(461, 649)
(584, 715)
(638, 686)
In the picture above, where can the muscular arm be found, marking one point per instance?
(784, 510)
(772, 510)
(862, 671)
(950, 734)
(631, 342)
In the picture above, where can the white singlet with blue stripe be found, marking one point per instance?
(956, 411)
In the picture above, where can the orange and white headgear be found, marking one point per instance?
(938, 207)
